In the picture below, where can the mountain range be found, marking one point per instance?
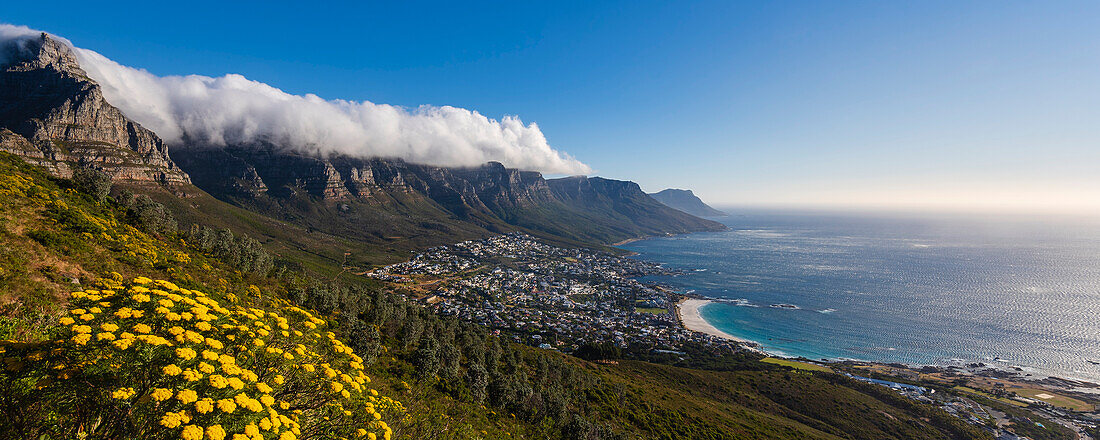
(54, 115)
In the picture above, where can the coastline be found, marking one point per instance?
(629, 240)
(692, 319)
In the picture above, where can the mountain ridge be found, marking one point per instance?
(491, 196)
(53, 115)
(685, 200)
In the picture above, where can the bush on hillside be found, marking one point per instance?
(93, 182)
(148, 359)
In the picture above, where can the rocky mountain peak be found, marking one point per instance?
(53, 115)
(44, 52)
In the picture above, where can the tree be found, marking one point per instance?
(93, 182)
(427, 358)
(478, 381)
(152, 216)
(449, 358)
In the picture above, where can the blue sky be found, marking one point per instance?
(955, 105)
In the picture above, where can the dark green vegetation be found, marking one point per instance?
(456, 380)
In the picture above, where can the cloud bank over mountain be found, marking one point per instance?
(233, 110)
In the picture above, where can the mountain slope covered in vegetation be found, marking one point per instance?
(446, 379)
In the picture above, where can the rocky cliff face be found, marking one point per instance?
(253, 171)
(53, 115)
(491, 196)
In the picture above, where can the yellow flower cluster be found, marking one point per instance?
(123, 393)
(223, 369)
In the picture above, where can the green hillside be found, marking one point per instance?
(146, 275)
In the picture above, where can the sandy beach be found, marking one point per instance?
(692, 320)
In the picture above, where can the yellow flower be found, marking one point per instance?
(161, 394)
(175, 330)
(279, 379)
(263, 388)
(191, 432)
(87, 317)
(337, 387)
(123, 344)
(203, 326)
(66, 321)
(236, 383)
(174, 419)
(78, 311)
(206, 368)
(186, 353)
(172, 370)
(194, 336)
(187, 396)
(165, 302)
(252, 430)
(142, 328)
(204, 406)
(287, 435)
(266, 399)
(123, 393)
(105, 336)
(140, 297)
(248, 375)
(259, 342)
(214, 343)
(191, 375)
(218, 381)
(82, 339)
(215, 432)
(209, 355)
(231, 369)
(109, 327)
(265, 424)
(227, 406)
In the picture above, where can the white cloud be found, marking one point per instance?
(233, 110)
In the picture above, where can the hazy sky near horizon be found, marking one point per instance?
(956, 105)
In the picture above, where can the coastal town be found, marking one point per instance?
(548, 296)
(563, 298)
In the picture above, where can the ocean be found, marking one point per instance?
(1009, 292)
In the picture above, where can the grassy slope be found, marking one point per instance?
(767, 404)
(41, 256)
